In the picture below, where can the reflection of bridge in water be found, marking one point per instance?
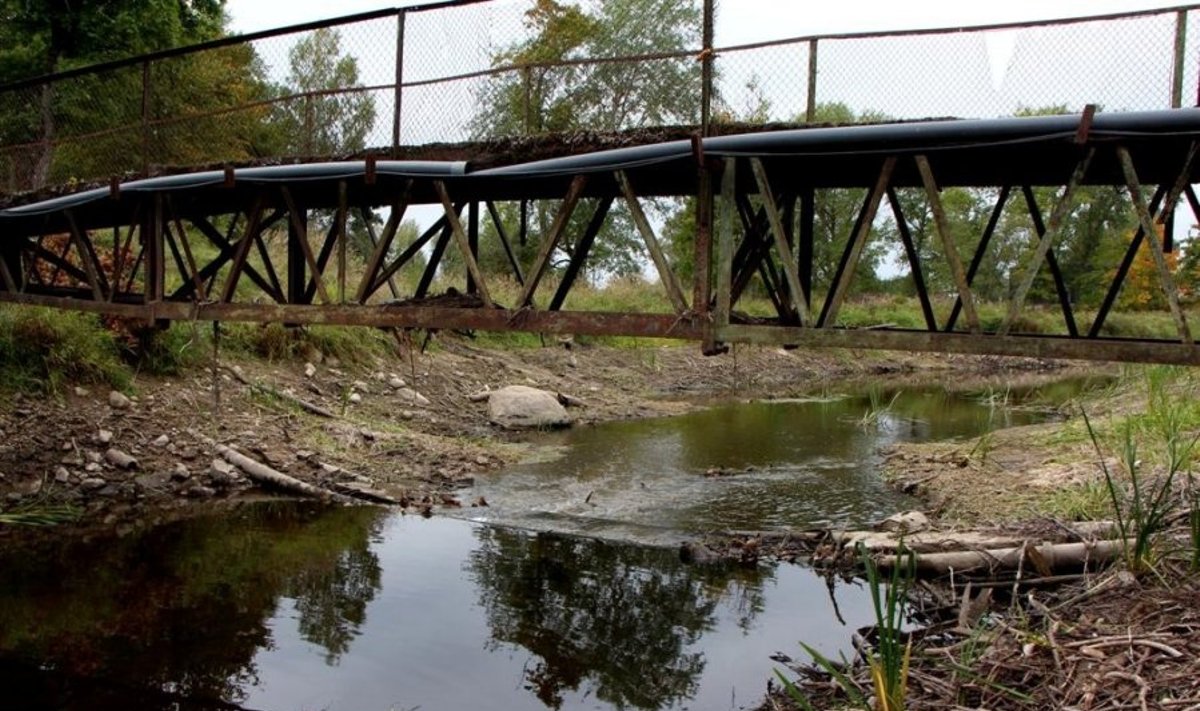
(115, 250)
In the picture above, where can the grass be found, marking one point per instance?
(889, 657)
(1143, 500)
(43, 349)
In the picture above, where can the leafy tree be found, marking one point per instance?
(601, 96)
(52, 35)
(319, 123)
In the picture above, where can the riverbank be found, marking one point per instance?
(1115, 627)
(407, 422)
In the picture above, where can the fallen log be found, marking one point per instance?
(263, 474)
(1055, 556)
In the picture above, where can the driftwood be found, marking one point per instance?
(263, 474)
(1054, 556)
(298, 402)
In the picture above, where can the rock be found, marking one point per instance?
(92, 484)
(479, 502)
(412, 397)
(180, 472)
(81, 392)
(396, 382)
(92, 467)
(93, 456)
(309, 370)
(481, 396)
(354, 398)
(120, 459)
(221, 467)
(118, 401)
(104, 436)
(162, 440)
(61, 475)
(360, 386)
(519, 406)
(697, 553)
(200, 492)
(152, 481)
(330, 469)
(482, 460)
(108, 491)
(904, 522)
(28, 487)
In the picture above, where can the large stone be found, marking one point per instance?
(412, 397)
(518, 406)
(118, 401)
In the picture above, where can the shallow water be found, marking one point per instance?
(290, 605)
(750, 466)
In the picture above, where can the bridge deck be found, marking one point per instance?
(754, 201)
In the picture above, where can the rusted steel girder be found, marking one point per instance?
(755, 200)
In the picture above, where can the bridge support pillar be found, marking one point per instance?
(297, 275)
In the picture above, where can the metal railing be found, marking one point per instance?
(467, 70)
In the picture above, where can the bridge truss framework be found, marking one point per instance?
(115, 250)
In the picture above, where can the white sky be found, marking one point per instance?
(752, 20)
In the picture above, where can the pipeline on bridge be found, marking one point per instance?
(126, 249)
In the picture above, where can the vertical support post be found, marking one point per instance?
(343, 238)
(702, 256)
(472, 242)
(397, 100)
(297, 277)
(725, 244)
(145, 117)
(706, 68)
(810, 113)
(1178, 65)
(804, 252)
(155, 252)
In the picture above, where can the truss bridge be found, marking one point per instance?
(273, 244)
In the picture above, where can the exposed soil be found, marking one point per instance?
(417, 441)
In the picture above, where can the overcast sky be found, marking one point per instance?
(751, 20)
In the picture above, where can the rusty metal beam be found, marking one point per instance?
(666, 275)
(857, 241)
(463, 242)
(550, 241)
(941, 226)
(775, 222)
(1156, 248)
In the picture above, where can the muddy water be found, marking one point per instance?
(749, 466)
(285, 605)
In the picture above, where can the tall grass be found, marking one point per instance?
(1142, 506)
(43, 349)
(889, 657)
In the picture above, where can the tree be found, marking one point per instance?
(543, 95)
(318, 122)
(52, 35)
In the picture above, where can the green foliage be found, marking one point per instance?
(1142, 507)
(329, 124)
(889, 659)
(275, 342)
(43, 349)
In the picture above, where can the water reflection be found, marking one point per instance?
(624, 618)
(180, 612)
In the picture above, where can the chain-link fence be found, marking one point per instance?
(464, 71)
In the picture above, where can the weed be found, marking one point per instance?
(877, 410)
(1141, 512)
(42, 349)
(40, 515)
(889, 660)
(1089, 501)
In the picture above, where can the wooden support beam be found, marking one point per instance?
(775, 223)
(582, 248)
(373, 268)
(191, 270)
(666, 275)
(941, 226)
(724, 275)
(550, 241)
(857, 241)
(914, 260)
(301, 229)
(241, 251)
(89, 267)
(1156, 247)
(226, 251)
(464, 243)
(1052, 229)
(409, 252)
(505, 243)
(980, 251)
(1060, 284)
